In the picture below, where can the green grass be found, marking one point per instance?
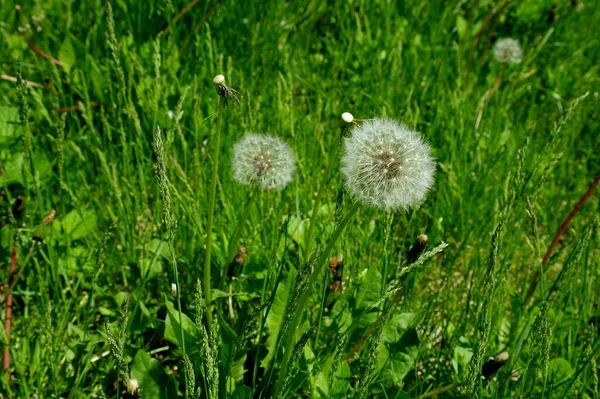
(517, 158)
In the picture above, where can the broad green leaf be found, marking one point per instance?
(242, 392)
(10, 126)
(173, 329)
(399, 349)
(369, 289)
(150, 268)
(462, 355)
(276, 316)
(160, 247)
(559, 369)
(154, 382)
(76, 225)
(66, 54)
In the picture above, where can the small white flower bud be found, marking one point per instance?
(174, 288)
(347, 117)
(219, 80)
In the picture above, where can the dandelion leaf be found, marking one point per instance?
(154, 382)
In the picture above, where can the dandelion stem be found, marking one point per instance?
(303, 302)
(212, 195)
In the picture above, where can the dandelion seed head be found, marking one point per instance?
(508, 50)
(263, 161)
(387, 165)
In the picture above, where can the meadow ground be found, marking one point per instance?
(133, 263)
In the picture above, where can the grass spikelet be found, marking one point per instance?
(168, 218)
(177, 115)
(24, 111)
(367, 376)
(485, 322)
(541, 334)
(190, 378)
(113, 45)
(211, 370)
(298, 349)
(338, 355)
(117, 343)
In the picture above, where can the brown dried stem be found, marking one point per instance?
(558, 235)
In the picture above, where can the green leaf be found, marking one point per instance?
(150, 268)
(369, 289)
(559, 369)
(76, 225)
(10, 126)
(461, 26)
(242, 392)
(399, 349)
(276, 316)
(173, 329)
(160, 247)
(150, 374)
(462, 356)
(66, 54)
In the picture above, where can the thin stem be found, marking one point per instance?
(9, 304)
(303, 302)
(212, 195)
(239, 229)
(313, 219)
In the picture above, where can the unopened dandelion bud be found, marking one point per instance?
(417, 249)
(133, 386)
(507, 50)
(226, 93)
(387, 165)
(219, 80)
(347, 117)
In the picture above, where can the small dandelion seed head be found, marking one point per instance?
(387, 165)
(347, 117)
(263, 161)
(508, 50)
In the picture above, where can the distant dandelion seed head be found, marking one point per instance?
(508, 50)
(387, 165)
(263, 161)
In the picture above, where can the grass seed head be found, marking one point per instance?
(508, 50)
(387, 165)
(263, 161)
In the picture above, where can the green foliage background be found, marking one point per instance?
(297, 66)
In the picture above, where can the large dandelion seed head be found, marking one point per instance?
(387, 165)
(508, 50)
(263, 161)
